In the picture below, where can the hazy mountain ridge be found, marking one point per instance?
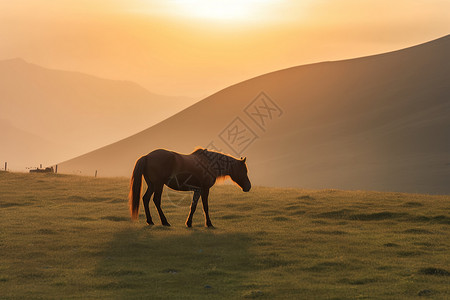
(77, 111)
(29, 147)
(378, 123)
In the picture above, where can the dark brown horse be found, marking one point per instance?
(196, 172)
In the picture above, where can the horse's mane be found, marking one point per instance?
(209, 153)
(216, 160)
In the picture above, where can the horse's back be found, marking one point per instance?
(160, 153)
(159, 164)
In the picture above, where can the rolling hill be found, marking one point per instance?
(373, 123)
(71, 112)
(29, 147)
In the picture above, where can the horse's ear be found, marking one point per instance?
(244, 159)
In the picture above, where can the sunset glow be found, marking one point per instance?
(196, 47)
(219, 10)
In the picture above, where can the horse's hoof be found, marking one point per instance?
(150, 223)
(166, 224)
(210, 226)
(189, 225)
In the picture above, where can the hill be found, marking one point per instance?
(75, 111)
(27, 147)
(374, 123)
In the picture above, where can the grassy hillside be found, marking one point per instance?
(372, 123)
(71, 237)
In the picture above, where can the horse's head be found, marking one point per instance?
(239, 174)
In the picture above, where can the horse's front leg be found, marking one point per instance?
(205, 194)
(193, 207)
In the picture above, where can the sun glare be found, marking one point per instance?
(226, 10)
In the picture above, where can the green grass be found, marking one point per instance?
(70, 237)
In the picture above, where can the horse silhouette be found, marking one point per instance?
(196, 172)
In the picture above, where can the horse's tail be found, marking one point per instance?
(135, 187)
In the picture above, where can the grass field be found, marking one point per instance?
(71, 237)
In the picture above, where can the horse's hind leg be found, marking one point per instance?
(205, 194)
(193, 207)
(146, 200)
(157, 201)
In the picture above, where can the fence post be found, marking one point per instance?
(95, 173)
(6, 166)
(56, 169)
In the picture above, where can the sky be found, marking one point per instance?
(194, 48)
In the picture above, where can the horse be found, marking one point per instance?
(196, 172)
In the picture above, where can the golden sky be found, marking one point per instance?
(197, 47)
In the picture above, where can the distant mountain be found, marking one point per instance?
(29, 147)
(75, 111)
(373, 123)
